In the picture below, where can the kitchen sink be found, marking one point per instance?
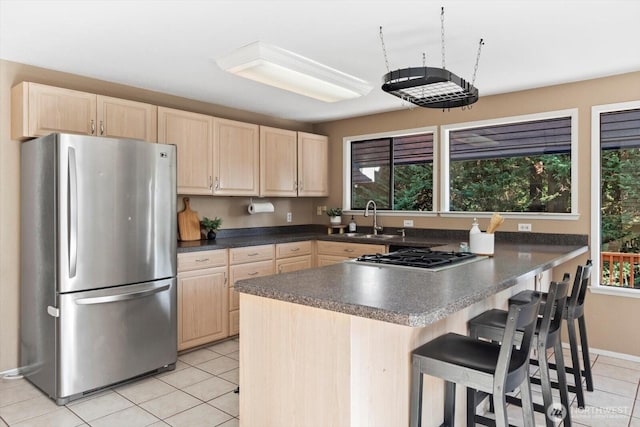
(371, 236)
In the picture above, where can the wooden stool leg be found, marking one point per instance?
(416, 395)
(562, 380)
(449, 403)
(575, 360)
(582, 326)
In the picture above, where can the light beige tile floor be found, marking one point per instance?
(199, 392)
(614, 402)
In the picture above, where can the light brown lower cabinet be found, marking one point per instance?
(202, 298)
(246, 263)
(336, 252)
(293, 256)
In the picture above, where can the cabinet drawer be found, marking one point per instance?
(248, 271)
(250, 254)
(350, 250)
(297, 263)
(286, 250)
(202, 259)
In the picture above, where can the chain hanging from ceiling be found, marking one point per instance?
(431, 87)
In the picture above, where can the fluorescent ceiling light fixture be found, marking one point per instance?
(286, 70)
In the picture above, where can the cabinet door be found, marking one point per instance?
(203, 312)
(313, 165)
(121, 118)
(236, 158)
(193, 136)
(47, 109)
(324, 260)
(287, 265)
(246, 271)
(278, 162)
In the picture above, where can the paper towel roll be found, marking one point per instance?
(260, 207)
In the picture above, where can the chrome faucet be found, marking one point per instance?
(375, 216)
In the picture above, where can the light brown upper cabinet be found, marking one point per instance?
(313, 165)
(236, 158)
(121, 118)
(293, 163)
(278, 162)
(38, 110)
(192, 134)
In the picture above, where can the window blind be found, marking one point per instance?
(548, 136)
(620, 129)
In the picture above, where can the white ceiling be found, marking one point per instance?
(171, 45)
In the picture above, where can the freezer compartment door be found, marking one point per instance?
(116, 211)
(114, 334)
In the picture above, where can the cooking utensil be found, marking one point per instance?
(188, 223)
(496, 221)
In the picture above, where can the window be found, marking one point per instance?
(522, 164)
(396, 171)
(616, 195)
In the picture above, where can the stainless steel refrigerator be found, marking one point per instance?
(98, 262)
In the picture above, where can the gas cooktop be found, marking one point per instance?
(419, 258)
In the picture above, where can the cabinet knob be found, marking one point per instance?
(93, 127)
(101, 127)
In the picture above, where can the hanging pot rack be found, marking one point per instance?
(431, 87)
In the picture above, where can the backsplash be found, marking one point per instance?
(234, 214)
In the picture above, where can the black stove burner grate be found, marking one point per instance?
(417, 257)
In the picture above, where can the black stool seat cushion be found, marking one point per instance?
(498, 319)
(468, 352)
(527, 294)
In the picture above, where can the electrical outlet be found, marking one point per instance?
(318, 210)
(524, 227)
(408, 223)
(289, 217)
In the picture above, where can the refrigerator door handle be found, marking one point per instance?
(122, 297)
(72, 207)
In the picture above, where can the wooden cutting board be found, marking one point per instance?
(188, 223)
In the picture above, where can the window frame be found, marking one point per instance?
(444, 192)
(596, 241)
(346, 169)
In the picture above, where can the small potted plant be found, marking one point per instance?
(211, 225)
(335, 215)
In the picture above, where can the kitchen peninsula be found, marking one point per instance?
(331, 346)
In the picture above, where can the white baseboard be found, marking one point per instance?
(608, 353)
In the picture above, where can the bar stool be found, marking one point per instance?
(481, 365)
(575, 311)
(491, 325)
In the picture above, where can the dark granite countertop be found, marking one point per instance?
(414, 237)
(407, 296)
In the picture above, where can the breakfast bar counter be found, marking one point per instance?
(331, 346)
